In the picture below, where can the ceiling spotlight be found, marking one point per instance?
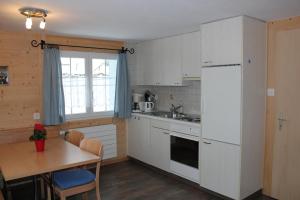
(43, 24)
(36, 13)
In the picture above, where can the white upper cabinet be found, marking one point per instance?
(221, 42)
(166, 61)
(146, 62)
(191, 55)
(160, 61)
(170, 58)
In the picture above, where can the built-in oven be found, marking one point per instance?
(185, 151)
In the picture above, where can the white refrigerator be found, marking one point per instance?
(221, 89)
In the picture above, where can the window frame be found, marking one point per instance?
(88, 56)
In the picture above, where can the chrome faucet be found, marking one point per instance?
(174, 109)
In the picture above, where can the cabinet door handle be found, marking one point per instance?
(206, 62)
(206, 142)
(166, 133)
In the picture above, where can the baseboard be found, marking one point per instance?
(114, 160)
(254, 195)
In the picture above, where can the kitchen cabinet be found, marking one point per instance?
(160, 147)
(221, 42)
(147, 62)
(149, 141)
(160, 61)
(170, 61)
(166, 61)
(220, 167)
(138, 138)
(233, 105)
(191, 55)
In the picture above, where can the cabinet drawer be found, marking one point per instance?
(160, 124)
(186, 129)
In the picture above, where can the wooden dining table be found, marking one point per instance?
(20, 160)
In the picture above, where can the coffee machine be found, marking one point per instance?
(137, 102)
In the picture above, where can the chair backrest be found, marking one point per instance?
(93, 146)
(74, 137)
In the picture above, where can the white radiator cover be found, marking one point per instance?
(107, 135)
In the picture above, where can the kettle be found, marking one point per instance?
(148, 106)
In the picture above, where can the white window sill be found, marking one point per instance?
(86, 116)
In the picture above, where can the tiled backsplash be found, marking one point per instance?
(188, 96)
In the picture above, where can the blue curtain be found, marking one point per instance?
(123, 90)
(53, 97)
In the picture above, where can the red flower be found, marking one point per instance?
(39, 127)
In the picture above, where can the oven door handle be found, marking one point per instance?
(185, 136)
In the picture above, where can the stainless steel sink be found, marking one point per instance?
(177, 116)
(164, 114)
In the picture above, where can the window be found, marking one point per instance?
(89, 83)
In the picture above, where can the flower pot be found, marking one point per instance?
(39, 145)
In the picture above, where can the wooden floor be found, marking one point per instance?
(132, 181)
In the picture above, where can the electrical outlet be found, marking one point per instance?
(36, 116)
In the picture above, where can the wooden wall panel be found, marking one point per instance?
(23, 134)
(23, 96)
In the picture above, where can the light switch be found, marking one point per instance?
(271, 92)
(36, 116)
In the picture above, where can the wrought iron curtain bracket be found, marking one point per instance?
(35, 43)
(43, 45)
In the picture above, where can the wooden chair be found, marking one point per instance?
(74, 137)
(67, 177)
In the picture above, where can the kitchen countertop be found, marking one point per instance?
(148, 115)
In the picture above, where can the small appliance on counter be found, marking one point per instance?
(149, 104)
(137, 102)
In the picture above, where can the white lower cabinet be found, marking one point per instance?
(160, 148)
(138, 138)
(149, 141)
(220, 168)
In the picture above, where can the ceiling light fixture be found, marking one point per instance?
(34, 13)
(28, 23)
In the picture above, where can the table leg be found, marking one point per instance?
(42, 186)
(51, 186)
(7, 192)
(35, 188)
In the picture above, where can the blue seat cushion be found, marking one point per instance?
(71, 178)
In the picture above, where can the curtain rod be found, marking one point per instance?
(43, 44)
